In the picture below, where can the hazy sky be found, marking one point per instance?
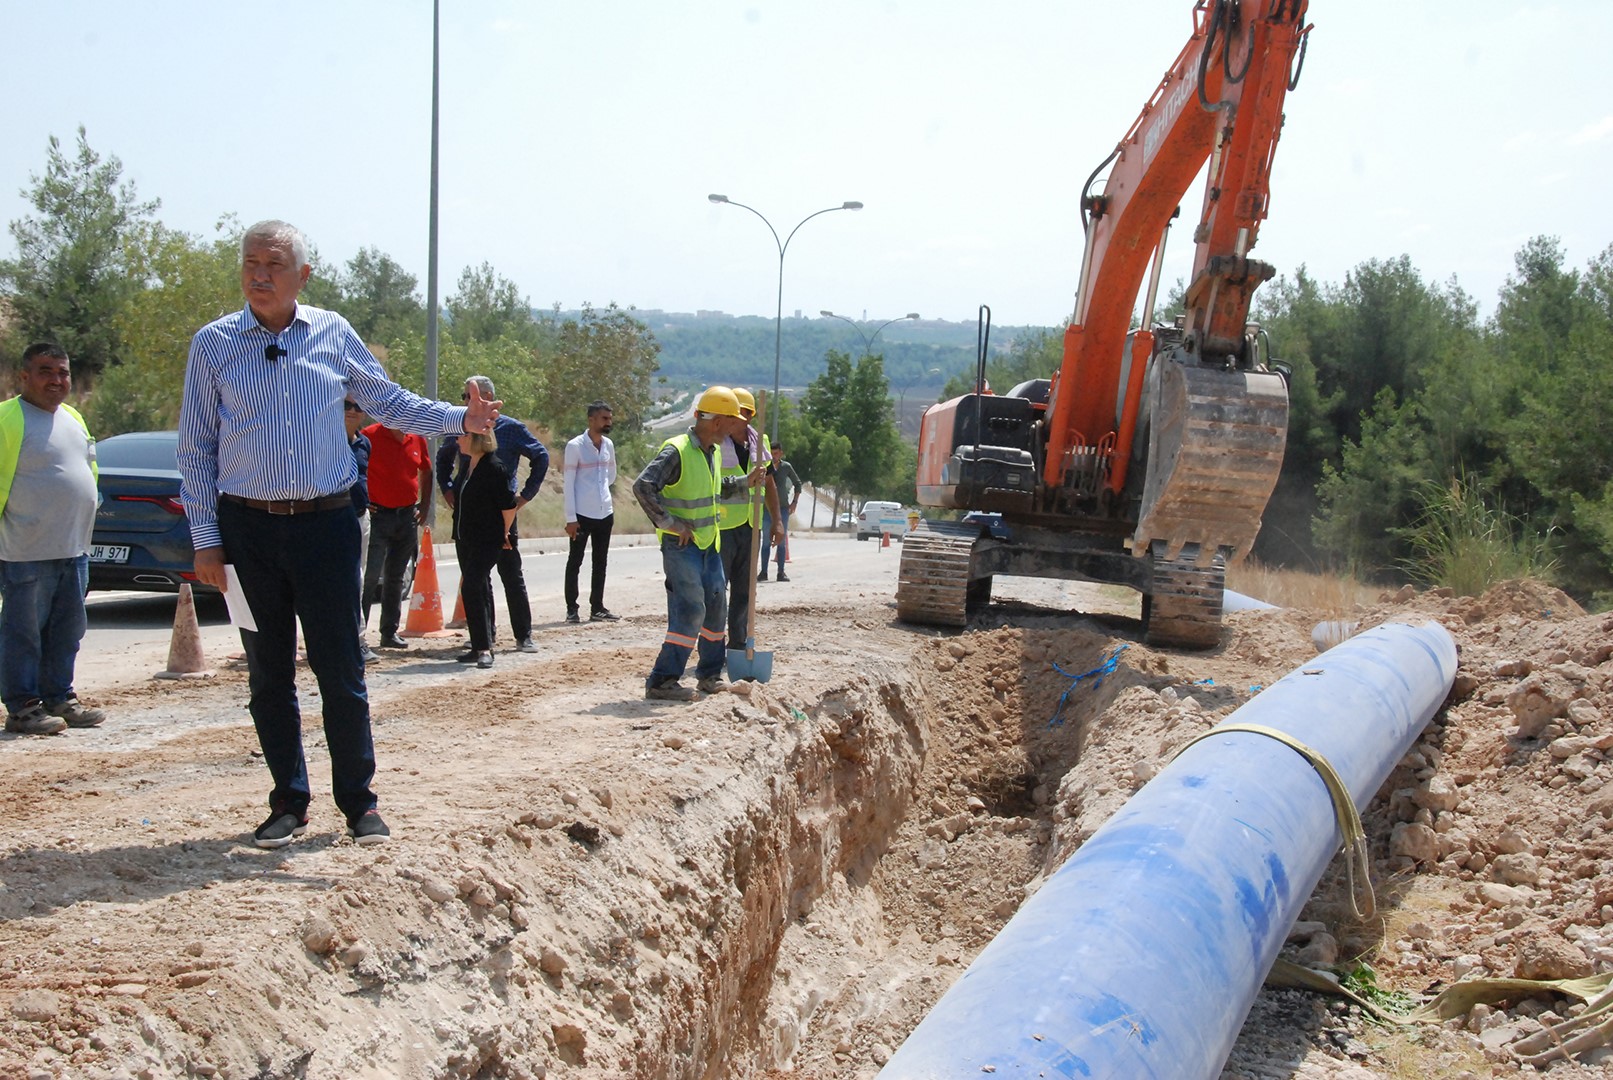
(580, 140)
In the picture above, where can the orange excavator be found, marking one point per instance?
(1148, 458)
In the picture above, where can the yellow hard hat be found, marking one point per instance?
(719, 401)
(746, 400)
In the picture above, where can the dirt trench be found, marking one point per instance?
(777, 882)
(784, 877)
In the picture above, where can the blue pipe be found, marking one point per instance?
(1140, 958)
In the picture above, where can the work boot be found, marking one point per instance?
(34, 720)
(669, 691)
(76, 713)
(711, 684)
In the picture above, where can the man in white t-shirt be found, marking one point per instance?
(48, 499)
(589, 472)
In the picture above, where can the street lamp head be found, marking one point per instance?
(851, 206)
(718, 198)
(911, 315)
(827, 314)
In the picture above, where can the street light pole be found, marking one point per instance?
(778, 315)
(868, 339)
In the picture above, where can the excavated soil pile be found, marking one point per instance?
(773, 882)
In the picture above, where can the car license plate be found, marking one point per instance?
(109, 553)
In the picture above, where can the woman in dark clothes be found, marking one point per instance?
(484, 507)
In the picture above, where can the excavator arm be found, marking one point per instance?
(1221, 100)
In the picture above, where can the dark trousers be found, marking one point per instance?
(597, 530)
(476, 564)
(509, 572)
(303, 567)
(394, 546)
(736, 549)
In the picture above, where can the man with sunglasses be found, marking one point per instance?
(266, 479)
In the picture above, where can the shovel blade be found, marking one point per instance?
(753, 665)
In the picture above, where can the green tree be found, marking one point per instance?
(190, 282)
(380, 298)
(607, 354)
(71, 275)
(855, 402)
(487, 306)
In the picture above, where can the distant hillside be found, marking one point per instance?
(706, 347)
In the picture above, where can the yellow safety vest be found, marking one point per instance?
(735, 509)
(11, 424)
(693, 498)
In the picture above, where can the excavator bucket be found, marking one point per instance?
(1215, 448)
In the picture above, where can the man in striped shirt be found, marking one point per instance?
(266, 471)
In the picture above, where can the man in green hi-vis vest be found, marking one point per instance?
(679, 490)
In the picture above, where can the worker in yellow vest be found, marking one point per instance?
(679, 490)
(741, 452)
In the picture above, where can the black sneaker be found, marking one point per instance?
(369, 655)
(280, 827)
(467, 657)
(761, 575)
(572, 617)
(782, 576)
(392, 641)
(526, 644)
(602, 615)
(368, 829)
(484, 660)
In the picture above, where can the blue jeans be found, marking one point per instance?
(696, 612)
(304, 567)
(767, 540)
(41, 623)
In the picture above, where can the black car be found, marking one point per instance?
(142, 537)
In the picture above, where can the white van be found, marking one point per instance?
(881, 517)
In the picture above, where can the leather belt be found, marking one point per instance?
(292, 506)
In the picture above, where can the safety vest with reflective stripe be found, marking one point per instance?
(735, 508)
(693, 497)
(11, 428)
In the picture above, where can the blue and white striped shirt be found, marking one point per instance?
(272, 429)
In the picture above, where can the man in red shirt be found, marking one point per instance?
(400, 484)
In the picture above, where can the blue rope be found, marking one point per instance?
(1096, 674)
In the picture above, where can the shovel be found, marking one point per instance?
(748, 663)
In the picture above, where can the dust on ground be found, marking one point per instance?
(773, 882)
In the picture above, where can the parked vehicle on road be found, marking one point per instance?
(877, 517)
(142, 537)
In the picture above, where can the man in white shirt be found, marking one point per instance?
(590, 470)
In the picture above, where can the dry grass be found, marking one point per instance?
(1335, 594)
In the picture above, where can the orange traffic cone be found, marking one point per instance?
(458, 621)
(884, 539)
(185, 660)
(425, 605)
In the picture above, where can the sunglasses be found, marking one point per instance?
(350, 406)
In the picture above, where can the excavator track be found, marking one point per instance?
(932, 585)
(1183, 607)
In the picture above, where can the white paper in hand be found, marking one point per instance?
(235, 600)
